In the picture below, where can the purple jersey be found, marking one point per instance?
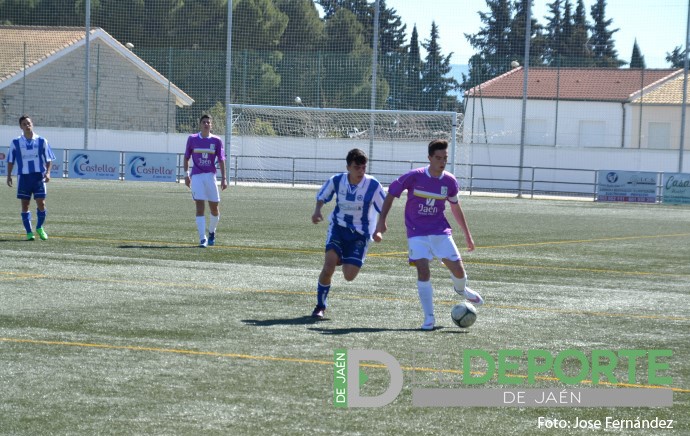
(204, 152)
(426, 201)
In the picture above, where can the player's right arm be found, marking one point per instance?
(317, 217)
(381, 225)
(10, 166)
(185, 164)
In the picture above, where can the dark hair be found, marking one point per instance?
(22, 118)
(357, 156)
(437, 144)
(204, 116)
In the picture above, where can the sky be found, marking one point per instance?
(658, 25)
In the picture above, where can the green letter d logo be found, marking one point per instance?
(354, 357)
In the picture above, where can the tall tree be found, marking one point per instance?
(305, 31)
(636, 59)
(516, 36)
(347, 63)
(301, 45)
(435, 83)
(676, 58)
(579, 54)
(413, 74)
(601, 42)
(492, 44)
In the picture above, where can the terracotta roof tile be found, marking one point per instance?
(670, 92)
(583, 84)
(38, 48)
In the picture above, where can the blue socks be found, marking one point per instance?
(322, 294)
(26, 220)
(41, 214)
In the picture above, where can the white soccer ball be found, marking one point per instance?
(298, 100)
(464, 314)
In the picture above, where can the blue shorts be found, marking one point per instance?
(350, 245)
(31, 184)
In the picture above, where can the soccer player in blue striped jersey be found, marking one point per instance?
(33, 157)
(359, 198)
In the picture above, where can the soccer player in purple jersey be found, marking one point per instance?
(33, 157)
(204, 149)
(359, 198)
(429, 234)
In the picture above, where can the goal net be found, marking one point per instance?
(305, 145)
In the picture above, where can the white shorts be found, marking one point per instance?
(428, 247)
(204, 187)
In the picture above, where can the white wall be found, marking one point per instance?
(273, 158)
(507, 114)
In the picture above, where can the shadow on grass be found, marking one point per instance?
(158, 247)
(300, 320)
(347, 331)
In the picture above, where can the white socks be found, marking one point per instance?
(201, 226)
(426, 298)
(213, 223)
(459, 284)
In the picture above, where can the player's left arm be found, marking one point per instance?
(224, 177)
(459, 216)
(46, 176)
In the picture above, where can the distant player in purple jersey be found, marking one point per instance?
(205, 149)
(359, 198)
(429, 234)
(33, 157)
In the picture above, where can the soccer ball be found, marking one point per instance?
(463, 314)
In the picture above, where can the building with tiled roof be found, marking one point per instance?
(586, 107)
(42, 74)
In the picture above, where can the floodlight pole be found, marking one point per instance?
(685, 94)
(228, 78)
(87, 66)
(374, 69)
(528, 31)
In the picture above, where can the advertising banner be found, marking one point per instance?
(3, 162)
(628, 186)
(152, 167)
(676, 188)
(88, 164)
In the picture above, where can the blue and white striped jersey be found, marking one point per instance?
(30, 155)
(357, 206)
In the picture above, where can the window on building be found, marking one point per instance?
(593, 134)
(495, 131)
(535, 132)
(659, 135)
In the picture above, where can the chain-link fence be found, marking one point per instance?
(154, 66)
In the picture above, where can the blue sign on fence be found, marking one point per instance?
(88, 164)
(154, 167)
(630, 186)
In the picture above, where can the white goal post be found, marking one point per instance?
(299, 144)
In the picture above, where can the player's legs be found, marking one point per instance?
(26, 218)
(459, 278)
(213, 221)
(41, 213)
(332, 257)
(201, 221)
(354, 252)
(201, 193)
(420, 256)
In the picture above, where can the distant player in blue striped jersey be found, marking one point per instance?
(359, 198)
(33, 157)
